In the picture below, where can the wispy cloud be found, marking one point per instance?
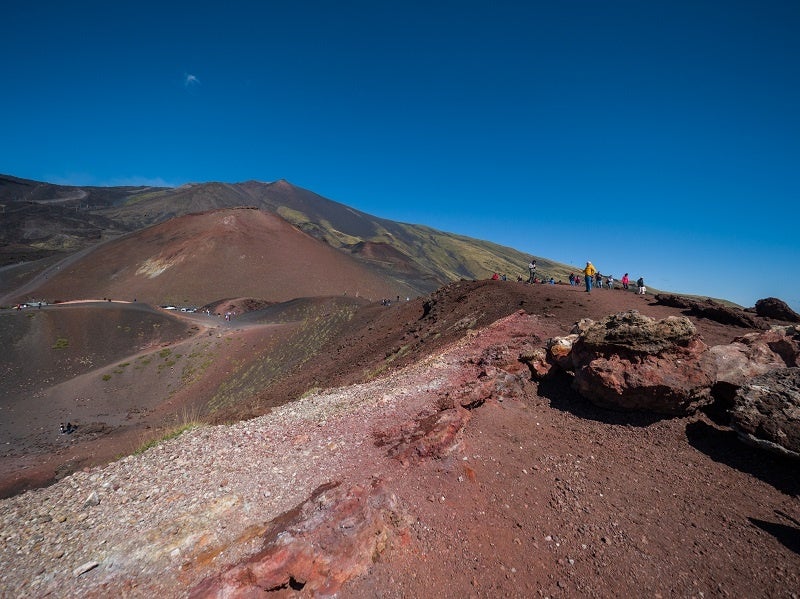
(190, 80)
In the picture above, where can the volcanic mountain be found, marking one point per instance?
(199, 258)
(307, 439)
(51, 222)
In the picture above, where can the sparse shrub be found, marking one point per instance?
(189, 419)
(61, 343)
(106, 377)
(310, 392)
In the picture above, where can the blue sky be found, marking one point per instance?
(659, 138)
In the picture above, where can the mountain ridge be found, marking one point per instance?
(429, 257)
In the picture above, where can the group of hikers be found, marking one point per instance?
(591, 278)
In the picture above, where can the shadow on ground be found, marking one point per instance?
(558, 390)
(788, 536)
(724, 446)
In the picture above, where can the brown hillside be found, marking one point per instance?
(200, 258)
(541, 494)
(241, 368)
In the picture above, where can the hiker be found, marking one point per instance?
(625, 281)
(495, 277)
(640, 288)
(532, 271)
(588, 275)
(598, 278)
(610, 282)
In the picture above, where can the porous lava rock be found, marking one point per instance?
(629, 361)
(766, 411)
(772, 307)
(331, 538)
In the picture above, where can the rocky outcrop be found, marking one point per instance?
(318, 546)
(752, 355)
(766, 411)
(772, 307)
(633, 362)
(713, 311)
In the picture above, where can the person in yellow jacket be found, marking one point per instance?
(588, 275)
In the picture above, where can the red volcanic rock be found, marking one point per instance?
(537, 362)
(436, 436)
(318, 546)
(754, 354)
(559, 351)
(766, 411)
(632, 362)
(784, 341)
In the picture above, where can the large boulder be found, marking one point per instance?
(772, 307)
(632, 362)
(766, 411)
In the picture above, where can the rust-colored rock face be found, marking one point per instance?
(318, 546)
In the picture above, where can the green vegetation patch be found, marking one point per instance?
(189, 420)
(61, 343)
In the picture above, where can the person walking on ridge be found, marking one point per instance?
(532, 270)
(588, 275)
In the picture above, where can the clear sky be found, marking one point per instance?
(658, 138)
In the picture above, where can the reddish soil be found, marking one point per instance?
(550, 496)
